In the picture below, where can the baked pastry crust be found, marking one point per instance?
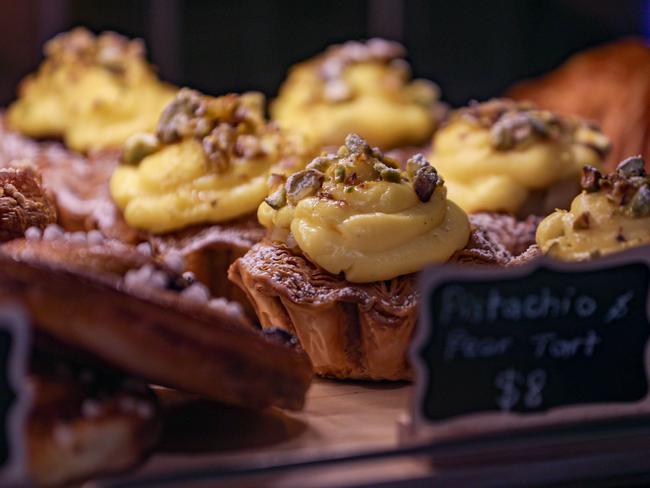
(148, 332)
(86, 422)
(23, 202)
(353, 330)
(79, 186)
(208, 252)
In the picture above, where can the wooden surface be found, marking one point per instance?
(340, 418)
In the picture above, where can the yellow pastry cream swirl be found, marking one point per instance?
(355, 212)
(497, 154)
(208, 161)
(91, 91)
(361, 87)
(611, 214)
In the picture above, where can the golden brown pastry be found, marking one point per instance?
(361, 87)
(610, 215)
(97, 255)
(24, 202)
(86, 422)
(91, 91)
(148, 322)
(608, 84)
(346, 239)
(78, 184)
(193, 187)
(80, 187)
(503, 156)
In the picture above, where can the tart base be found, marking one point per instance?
(358, 331)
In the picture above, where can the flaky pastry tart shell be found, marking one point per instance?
(357, 331)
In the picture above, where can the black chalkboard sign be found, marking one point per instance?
(531, 339)
(14, 401)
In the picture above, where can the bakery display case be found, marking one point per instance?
(348, 261)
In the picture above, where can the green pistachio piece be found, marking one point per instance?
(319, 163)
(414, 164)
(391, 174)
(640, 204)
(633, 166)
(303, 184)
(277, 199)
(139, 146)
(390, 162)
(502, 138)
(175, 119)
(343, 152)
(425, 182)
(590, 181)
(339, 174)
(356, 144)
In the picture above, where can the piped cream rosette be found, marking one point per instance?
(356, 213)
(91, 91)
(361, 87)
(496, 155)
(209, 161)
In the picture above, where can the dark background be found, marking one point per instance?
(472, 48)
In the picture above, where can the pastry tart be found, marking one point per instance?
(193, 186)
(504, 156)
(92, 92)
(85, 421)
(610, 215)
(346, 239)
(143, 317)
(78, 184)
(362, 87)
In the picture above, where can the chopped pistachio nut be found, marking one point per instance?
(414, 164)
(633, 166)
(640, 204)
(387, 173)
(512, 123)
(590, 181)
(277, 199)
(175, 120)
(109, 50)
(339, 174)
(354, 164)
(391, 174)
(320, 163)
(139, 146)
(425, 182)
(355, 144)
(628, 187)
(303, 184)
(230, 126)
